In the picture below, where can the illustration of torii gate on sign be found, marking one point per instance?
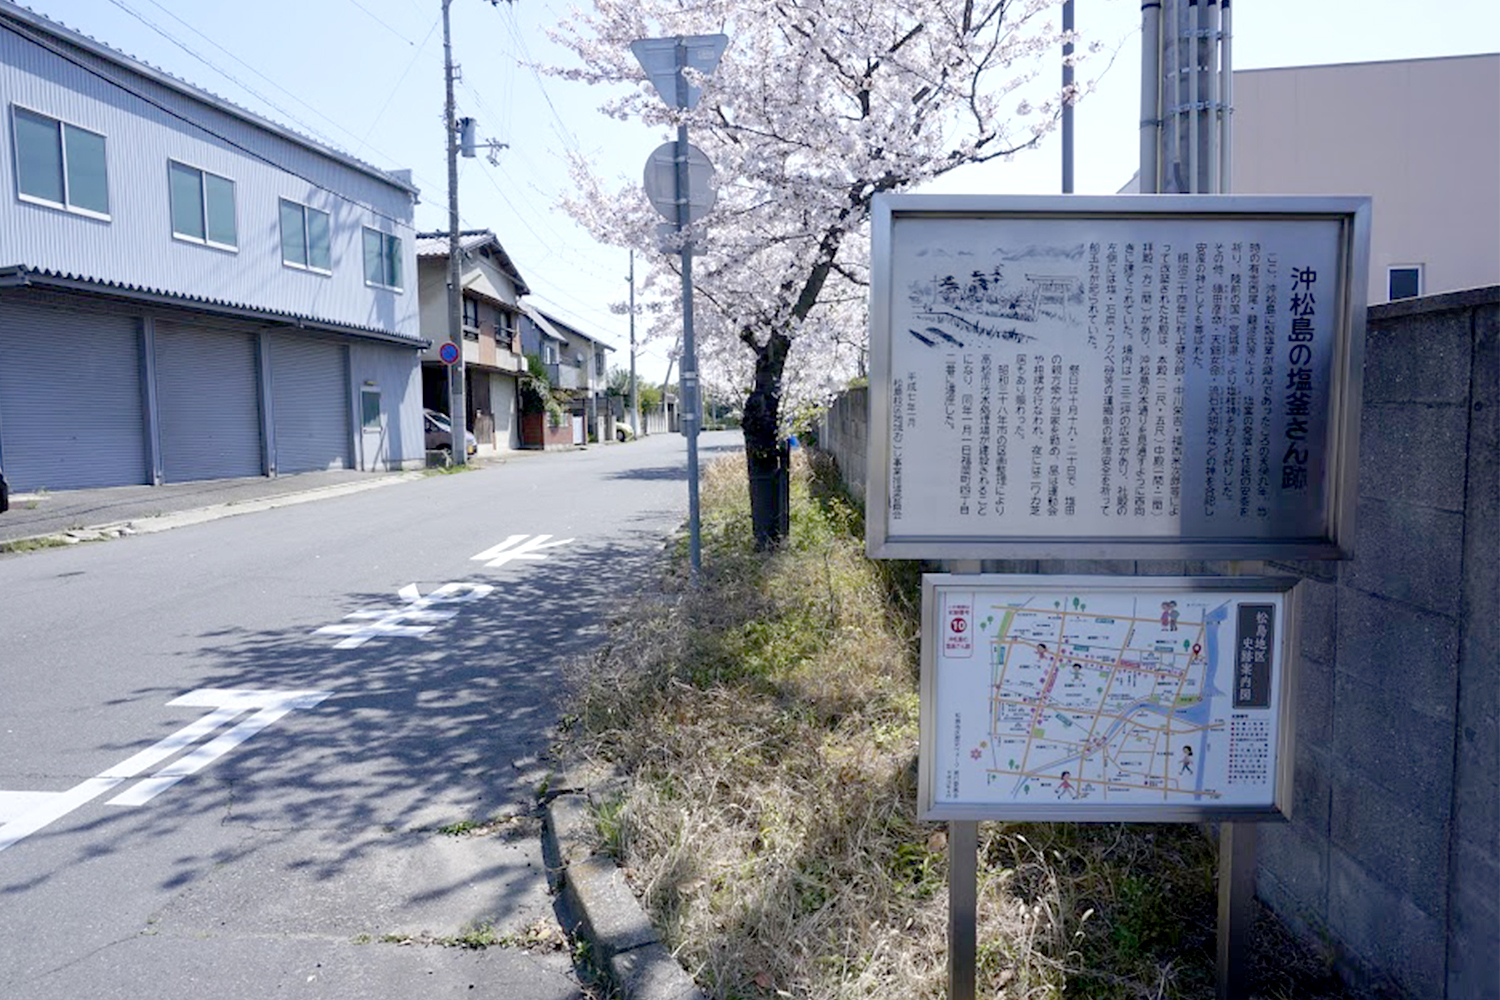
(1052, 290)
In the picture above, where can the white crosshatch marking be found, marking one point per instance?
(370, 623)
(518, 547)
(24, 813)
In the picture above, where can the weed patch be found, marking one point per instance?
(34, 544)
(767, 721)
(450, 469)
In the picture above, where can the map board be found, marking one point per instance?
(1145, 699)
(1115, 378)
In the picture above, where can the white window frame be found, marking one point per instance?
(386, 239)
(203, 204)
(62, 145)
(1421, 270)
(306, 238)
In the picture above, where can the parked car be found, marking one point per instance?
(438, 433)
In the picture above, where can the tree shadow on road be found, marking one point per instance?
(417, 733)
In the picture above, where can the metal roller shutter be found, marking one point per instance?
(309, 404)
(70, 399)
(208, 402)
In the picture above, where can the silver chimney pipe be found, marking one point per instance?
(1226, 112)
(1151, 97)
(1214, 122)
(1193, 51)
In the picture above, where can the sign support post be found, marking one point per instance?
(963, 908)
(664, 60)
(963, 879)
(690, 425)
(1237, 843)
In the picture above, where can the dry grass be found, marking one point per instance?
(768, 724)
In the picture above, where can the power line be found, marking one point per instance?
(558, 125)
(401, 80)
(378, 21)
(228, 76)
(42, 43)
(363, 140)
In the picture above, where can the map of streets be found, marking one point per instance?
(1047, 702)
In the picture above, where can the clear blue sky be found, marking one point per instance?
(366, 76)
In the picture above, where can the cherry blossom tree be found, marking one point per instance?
(816, 107)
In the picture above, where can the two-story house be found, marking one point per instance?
(188, 290)
(577, 364)
(492, 289)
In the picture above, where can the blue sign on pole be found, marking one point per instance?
(448, 353)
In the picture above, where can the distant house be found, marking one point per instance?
(188, 290)
(491, 315)
(578, 364)
(1420, 136)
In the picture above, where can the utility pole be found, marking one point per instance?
(458, 422)
(635, 402)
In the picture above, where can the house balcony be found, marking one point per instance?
(565, 377)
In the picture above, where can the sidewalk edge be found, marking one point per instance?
(605, 912)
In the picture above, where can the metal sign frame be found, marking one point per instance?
(1282, 679)
(1339, 489)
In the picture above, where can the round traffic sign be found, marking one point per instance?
(661, 182)
(448, 353)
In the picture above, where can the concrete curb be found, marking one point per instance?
(606, 912)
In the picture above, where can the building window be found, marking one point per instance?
(60, 165)
(471, 313)
(505, 331)
(382, 259)
(202, 206)
(305, 240)
(1405, 281)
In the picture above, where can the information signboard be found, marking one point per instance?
(1145, 699)
(1115, 378)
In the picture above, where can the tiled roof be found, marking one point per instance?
(469, 240)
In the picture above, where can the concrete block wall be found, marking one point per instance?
(1390, 864)
(843, 434)
(1391, 859)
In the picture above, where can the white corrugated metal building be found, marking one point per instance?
(187, 290)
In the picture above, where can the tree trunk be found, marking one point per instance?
(764, 454)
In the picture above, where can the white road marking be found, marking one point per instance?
(371, 623)
(517, 547)
(54, 809)
(17, 804)
(39, 809)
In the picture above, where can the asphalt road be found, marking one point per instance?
(203, 795)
